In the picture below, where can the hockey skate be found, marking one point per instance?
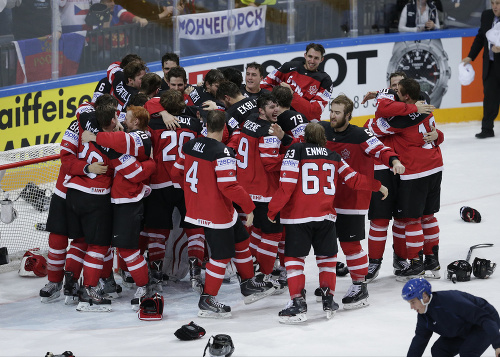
(50, 292)
(210, 307)
(254, 290)
(282, 282)
(280, 285)
(373, 269)
(195, 275)
(295, 311)
(414, 270)
(142, 292)
(431, 264)
(70, 289)
(318, 295)
(399, 263)
(329, 305)
(127, 280)
(109, 288)
(341, 269)
(91, 299)
(356, 297)
(156, 277)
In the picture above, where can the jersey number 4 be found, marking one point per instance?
(192, 177)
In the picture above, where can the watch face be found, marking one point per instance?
(422, 66)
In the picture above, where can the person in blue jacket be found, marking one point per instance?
(467, 324)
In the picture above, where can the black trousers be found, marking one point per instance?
(491, 104)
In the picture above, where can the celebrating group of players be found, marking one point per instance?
(254, 174)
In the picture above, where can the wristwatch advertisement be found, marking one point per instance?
(426, 62)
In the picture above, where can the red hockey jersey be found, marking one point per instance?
(308, 184)
(312, 90)
(208, 176)
(258, 156)
(359, 148)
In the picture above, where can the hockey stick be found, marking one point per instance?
(482, 245)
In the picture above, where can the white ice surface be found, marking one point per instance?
(385, 328)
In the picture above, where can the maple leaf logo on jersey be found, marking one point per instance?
(313, 89)
(345, 154)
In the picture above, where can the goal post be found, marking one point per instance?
(27, 178)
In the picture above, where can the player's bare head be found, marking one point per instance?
(256, 66)
(216, 120)
(139, 113)
(283, 95)
(394, 79)
(233, 75)
(227, 88)
(173, 101)
(315, 134)
(316, 47)
(346, 102)
(409, 88)
(133, 73)
(138, 99)
(150, 83)
(105, 112)
(106, 99)
(177, 72)
(214, 76)
(265, 99)
(129, 58)
(170, 56)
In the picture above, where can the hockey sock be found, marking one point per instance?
(121, 263)
(356, 259)
(92, 264)
(75, 256)
(214, 274)
(377, 236)
(196, 243)
(295, 275)
(156, 246)
(281, 249)
(398, 238)
(143, 241)
(107, 266)
(430, 228)
(327, 272)
(56, 257)
(243, 260)
(266, 253)
(136, 265)
(414, 237)
(255, 237)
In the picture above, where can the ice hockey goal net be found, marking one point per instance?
(27, 178)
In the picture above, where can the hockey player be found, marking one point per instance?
(254, 74)
(381, 212)
(127, 196)
(259, 162)
(166, 194)
(467, 324)
(238, 107)
(168, 61)
(204, 95)
(419, 189)
(358, 147)
(309, 177)
(311, 87)
(57, 226)
(293, 123)
(207, 173)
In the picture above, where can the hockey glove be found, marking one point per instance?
(190, 332)
(483, 268)
(469, 214)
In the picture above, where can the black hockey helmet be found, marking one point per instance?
(222, 345)
(483, 268)
(459, 270)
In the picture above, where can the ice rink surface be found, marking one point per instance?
(385, 328)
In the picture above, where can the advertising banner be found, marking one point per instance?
(208, 32)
